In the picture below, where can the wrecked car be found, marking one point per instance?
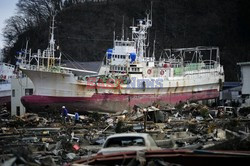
(128, 142)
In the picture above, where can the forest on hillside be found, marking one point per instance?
(85, 28)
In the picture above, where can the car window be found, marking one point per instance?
(124, 141)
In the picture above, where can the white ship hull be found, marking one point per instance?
(52, 90)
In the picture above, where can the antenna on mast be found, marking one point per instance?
(51, 50)
(123, 27)
(52, 40)
(154, 47)
(151, 12)
(114, 38)
(26, 49)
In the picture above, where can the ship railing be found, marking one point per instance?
(53, 69)
(171, 60)
(207, 64)
(203, 72)
(65, 71)
(206, 69)
(124, 43)
(210, 64)
(194, 68)
(32, 67)
(6, 64)
(174, 64)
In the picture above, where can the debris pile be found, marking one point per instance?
(188, 125)
(34, 139)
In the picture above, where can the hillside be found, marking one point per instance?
(85, 30)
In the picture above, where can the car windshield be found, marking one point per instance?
(124, 141)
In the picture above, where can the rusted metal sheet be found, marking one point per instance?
(182, 157)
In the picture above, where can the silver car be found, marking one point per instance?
(128, 142)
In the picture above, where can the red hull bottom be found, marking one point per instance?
(110, 102)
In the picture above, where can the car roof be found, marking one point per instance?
(129, 135)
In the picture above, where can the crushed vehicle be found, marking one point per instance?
(124, 142)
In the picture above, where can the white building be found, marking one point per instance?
(20, 87)
(245, 77)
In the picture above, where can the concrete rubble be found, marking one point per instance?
(45, 139)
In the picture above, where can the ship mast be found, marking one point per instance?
(123, 28)
(51, 50)
(140, 37)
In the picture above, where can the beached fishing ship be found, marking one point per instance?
(6, 73)
(128, 76)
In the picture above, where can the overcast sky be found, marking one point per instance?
(7, 9)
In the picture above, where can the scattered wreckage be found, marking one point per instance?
(188, 134)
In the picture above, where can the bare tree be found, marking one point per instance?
(36, 10)
(31, 13)
(15, 26)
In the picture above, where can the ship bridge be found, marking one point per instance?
(121, 55)
(122, 46)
